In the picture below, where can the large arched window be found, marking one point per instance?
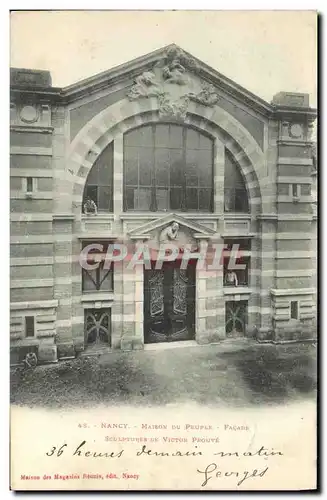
(99, 183)
(236, 197)
(167, 167)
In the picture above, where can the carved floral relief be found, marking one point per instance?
(172, 71)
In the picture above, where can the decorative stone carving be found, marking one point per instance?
(207, 96)
(170, 232)
(295, 130)
(172, 70)
(292, 130)
(29, 114)
(175, 55)
(175, 73)
(175, 110)
(145, 86)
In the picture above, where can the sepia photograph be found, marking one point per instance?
(163, 250)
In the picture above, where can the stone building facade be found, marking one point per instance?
(163, 143)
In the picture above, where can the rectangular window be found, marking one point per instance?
(29, 184)
(100, 278)
(29, 326)
(97, 325)
(236, 318)
(295, 190)
(294, 310)
(236, 277)
(240, 250)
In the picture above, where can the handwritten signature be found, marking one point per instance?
(212, 471)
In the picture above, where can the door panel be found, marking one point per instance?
(169, 308)
(236, 318)
(97, 327)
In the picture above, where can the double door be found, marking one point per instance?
(169, 303)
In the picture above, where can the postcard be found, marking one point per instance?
(163, 191)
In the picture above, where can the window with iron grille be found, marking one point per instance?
(236, 317)
(101, 277)
(97, 325)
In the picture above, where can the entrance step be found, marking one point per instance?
(96, 351)
(159, 346)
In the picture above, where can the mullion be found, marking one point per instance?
(183, 202)
(153, 198)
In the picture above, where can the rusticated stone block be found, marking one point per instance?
(263, 334)
(127, 343)
(115, 342)
(211, 336)
(66, 350)
(79, 345)
(14, 356)
(138, 344)
(47, 354)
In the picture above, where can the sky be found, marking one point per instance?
(264, 51)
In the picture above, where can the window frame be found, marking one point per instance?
(233, 199)
(98, 282)
(184, 187)
(26, 327)
(109, 149)
(33, 186)
(296, 302)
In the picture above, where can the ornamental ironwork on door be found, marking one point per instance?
(169, 304)
(236, 318)
(97, 327)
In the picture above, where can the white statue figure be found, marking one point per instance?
(170, 232)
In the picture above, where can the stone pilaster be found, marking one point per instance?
(209, 307)
(63, 289)
(293, 316)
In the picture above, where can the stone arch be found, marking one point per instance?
(124, 115)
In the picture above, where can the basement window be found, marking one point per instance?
(29, 326)
(294, 310)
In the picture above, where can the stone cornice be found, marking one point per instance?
(285, 217)
(280, 292)
(62, 217)
(39, 304)
(134, 68)
(137, 66)
(294, 113)
(31, 128)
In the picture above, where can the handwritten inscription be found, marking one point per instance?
(211, 471)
